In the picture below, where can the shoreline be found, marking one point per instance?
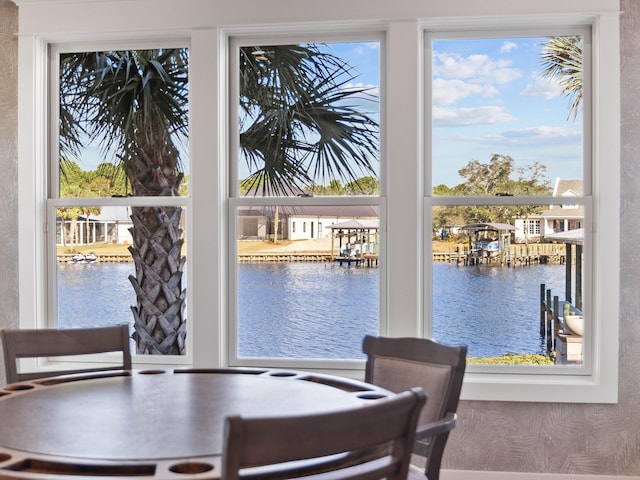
(321, 246)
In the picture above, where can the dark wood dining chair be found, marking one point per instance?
(40, 343)
(397, 364)
(365, 443)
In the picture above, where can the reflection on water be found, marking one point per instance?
(95, 294)
(493, 310)
(317, 310)
(305, 310)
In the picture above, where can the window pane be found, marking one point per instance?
(507, 122)
(123, 120)
(123, 131)
(307, 276)
(98, 283)
(492, 282)
(309, 119)
(492, 101)
(310, 294)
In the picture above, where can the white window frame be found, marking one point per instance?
(403, 202)
(267, 36)
(596, 378)
(45, 304)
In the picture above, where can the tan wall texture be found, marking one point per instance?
(499, 436)
(8, 168)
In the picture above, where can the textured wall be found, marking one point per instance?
(524, 437)
(8, 168)
(564, 438)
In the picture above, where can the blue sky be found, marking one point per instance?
(489, 97)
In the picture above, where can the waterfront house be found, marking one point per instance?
(110, 225)
(296, 222)
(556, 218)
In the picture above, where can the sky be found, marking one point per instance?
(488, 97)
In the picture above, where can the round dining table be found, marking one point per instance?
(156, 424)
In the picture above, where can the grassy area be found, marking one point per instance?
(258, 246)
(512, 359)
(115, 249)
(252, 246)
(97, 248)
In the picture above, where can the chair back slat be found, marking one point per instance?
(367, 443)
(40, 343)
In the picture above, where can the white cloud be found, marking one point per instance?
(446, 92)
(507, 47)
(489, 114)
(363, 48)
(480, 69)
(543, 134)
(530, 136)
(370, 89)
(542, 87)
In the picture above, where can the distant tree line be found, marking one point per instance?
(367, 185)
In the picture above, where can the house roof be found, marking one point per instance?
(567, 187)
(494, 227)
(556, 211)
(575, 236)
(356, 225)
(112, 214)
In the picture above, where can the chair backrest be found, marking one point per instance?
(35, 343)
(401, 363)
(368, 443)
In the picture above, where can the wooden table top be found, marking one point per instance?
(160, 423)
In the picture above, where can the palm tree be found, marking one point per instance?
(135, 103)
(295, 126)
(299, 121)
(562, 59)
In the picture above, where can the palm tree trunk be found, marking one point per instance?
(159, 314)
(159, 323)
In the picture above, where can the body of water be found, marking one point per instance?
(318, 310)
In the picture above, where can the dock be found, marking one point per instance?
(566, 344)
(283, 257)
(100, 258)
(513, 256)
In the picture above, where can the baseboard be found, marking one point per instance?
(485, 475)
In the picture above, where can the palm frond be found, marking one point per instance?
(299, 120)
(561, 59)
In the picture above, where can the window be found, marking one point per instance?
(305, 296)
(507, 167)
(119, 180)
(221, 222)
(503, 99)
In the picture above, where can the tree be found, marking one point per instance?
(495, 178)
(445, 216)
(562, 60)
(73, 184)
(363, 186)
(296, 125)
